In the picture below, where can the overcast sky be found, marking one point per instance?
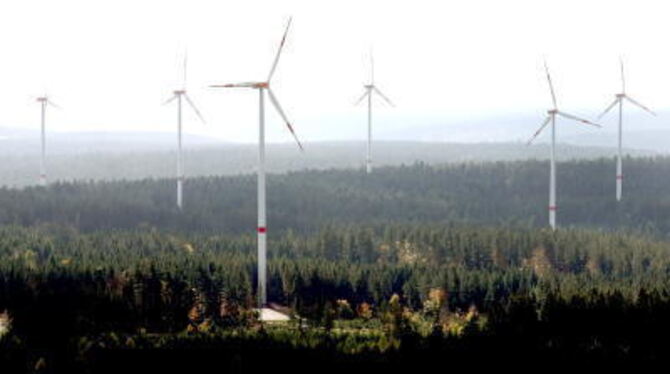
(110, 64)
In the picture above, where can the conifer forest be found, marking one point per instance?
(408, 267)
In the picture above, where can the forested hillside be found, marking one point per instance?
(512, 193)
(87, 302)
(410, 264)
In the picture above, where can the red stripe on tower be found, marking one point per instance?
(619, 177)
(262, 230)
(552, 208)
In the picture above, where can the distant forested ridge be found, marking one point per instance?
(507, 193)
(133, 158)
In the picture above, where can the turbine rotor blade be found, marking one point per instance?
(168, 101)
(623, 79)
(578, 119)
(49, 102)
(195, 109)
(551, 86)
(382, 96)
(184, 67)
(634, 102)
(616, 101)
(544, 124)
(275, 103)
(233, 85)
(281, 46)
(365, 94)
(372, 68)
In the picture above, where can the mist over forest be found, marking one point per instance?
(114, 156)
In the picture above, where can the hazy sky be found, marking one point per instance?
(110, 64)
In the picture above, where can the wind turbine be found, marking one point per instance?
(44, 102)
(180, 96)
(263, 87)
(370, 88)
(551, 119)
(619, 98)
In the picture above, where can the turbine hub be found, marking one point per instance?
(262, 85)
(552, 111)
(620, 95)
(41, 99)
(179, 92)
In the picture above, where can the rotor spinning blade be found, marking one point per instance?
(616, 101)
(383, 96)
(233, 85)
(578, 119)
(551, 86)
(49, 102)
(168, 101)
(634, 102)
(365, 94)
(281, 46)
(184, 67)
(372, 68)
(544, 124)
(197, 112)
(275, 103)
(623, 80)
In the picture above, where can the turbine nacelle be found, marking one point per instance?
(45, 100)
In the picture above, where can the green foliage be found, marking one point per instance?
(124, 281)
(508, 194)
(90, 268)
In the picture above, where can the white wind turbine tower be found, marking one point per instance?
(263, 87)
(370, 88)
(551, 119)
(180, 96)
(44, 102)
(619, 98)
